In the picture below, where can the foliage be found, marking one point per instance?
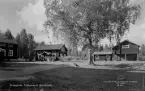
(8, 34)
(122, 65)
(141, 57)
(86, 22)
(17, 38)
(91, 19)
(23, 43)
(106, 47)
(26, 44)
(31, 45)
(101, 48)
(142, 50)
(42, 43)
(1, 34)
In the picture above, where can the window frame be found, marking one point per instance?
(11, 53)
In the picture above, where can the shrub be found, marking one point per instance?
(122, 65)
(141, 58)
(69, 58)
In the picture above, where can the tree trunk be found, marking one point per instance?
(90, 57)
(120, 51)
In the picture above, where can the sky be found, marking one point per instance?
(30, 14)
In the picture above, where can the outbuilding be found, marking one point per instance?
(127, 50)
(50, 52)
(102, 55)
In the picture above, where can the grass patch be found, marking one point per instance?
(122, 65)
(21, 65)
(18, 66)
(80, 79)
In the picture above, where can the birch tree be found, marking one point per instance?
(86, 22)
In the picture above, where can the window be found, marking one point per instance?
(107, 56)
(10, 52)
(3, 50)
(125, 46)
(96, 56)
(10, 45)
(2, 45)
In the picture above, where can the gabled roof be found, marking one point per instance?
(103, 52)
(49, 47)
(5, 40)
(124, 42)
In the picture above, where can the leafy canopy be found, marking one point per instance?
(86, 22)
(8, 34)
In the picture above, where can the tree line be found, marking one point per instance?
(26, 43)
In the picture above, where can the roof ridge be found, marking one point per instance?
(50, 46)
(6, 40)
(124, 41)
(131, 42)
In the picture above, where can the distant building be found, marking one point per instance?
(102, 55)
(129, 51)
(50, 52)
(8, 49)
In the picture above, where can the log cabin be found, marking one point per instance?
(8, 49)
(50, 52)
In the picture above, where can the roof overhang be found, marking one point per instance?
(125, 41)
(102, 53)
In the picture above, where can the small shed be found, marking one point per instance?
(102, 55)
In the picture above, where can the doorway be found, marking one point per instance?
(2, 54)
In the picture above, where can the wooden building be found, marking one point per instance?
(102, 55)
(8, 49)
(50, 52)
(129, 50)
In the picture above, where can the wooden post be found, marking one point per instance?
(36, 56)
(137, 58)
(93, 57)
(7, 52)
(125, 57)
(89, 56)
(120, 47)
(17, 51)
